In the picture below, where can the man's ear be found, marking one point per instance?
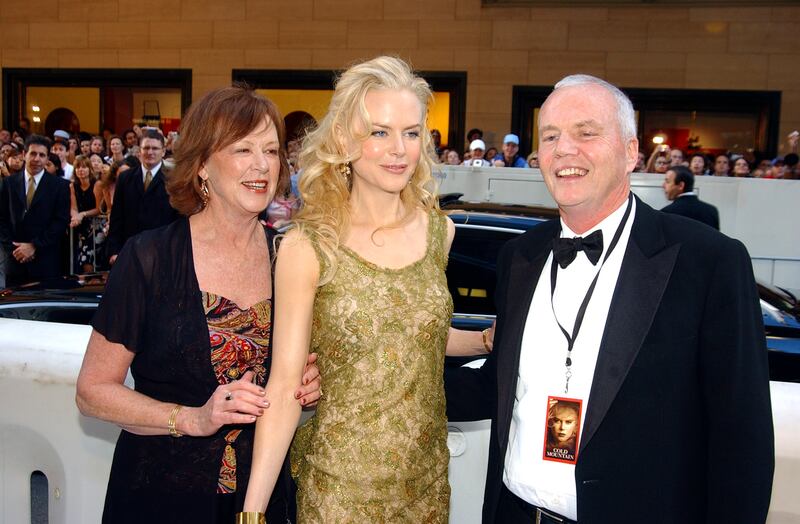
(632, 154)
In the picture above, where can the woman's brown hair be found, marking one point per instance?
(83, 161)
(217, 120)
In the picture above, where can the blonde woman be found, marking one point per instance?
(361, 281)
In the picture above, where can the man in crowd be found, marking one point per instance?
(85, 144)
(140, 198)
(477, 148)
(510, 155)
(59, 148)
(697, 164)
(648, 326)
(679, 189)
(34, 214)
(722, 165)
(676, 157)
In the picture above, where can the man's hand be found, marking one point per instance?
(311, 390)
(23, 252)
(112, 259)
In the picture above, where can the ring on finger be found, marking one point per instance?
(228, 395)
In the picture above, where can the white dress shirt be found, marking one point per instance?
(542, 371)
(69, 169)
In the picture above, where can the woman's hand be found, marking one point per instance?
(76, 219)
(238, 402)
(311, 390)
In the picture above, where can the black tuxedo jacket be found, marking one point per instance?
(135, 210)
(692, 207)
(44, 224)
(678, 425)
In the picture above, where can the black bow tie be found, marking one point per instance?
(565, 249)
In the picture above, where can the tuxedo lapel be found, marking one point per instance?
(526, 267)
(643, 277)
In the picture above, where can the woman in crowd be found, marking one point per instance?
(491, 153)
(15, 159)
(282, 208)
(659, 160)
(741, 168)
(452, 158)
(533, 160)
(85, 198)
(97, 163)
(361, 280)
(109, 183)
(187, 309)
(97, 146)
(116, 150)
(53, 165)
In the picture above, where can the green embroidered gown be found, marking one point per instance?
(376, 450)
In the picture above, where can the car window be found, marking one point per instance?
(472, 267)
(63, 313)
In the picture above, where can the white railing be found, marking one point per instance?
(96, 225)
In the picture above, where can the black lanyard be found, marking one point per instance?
(582, 310)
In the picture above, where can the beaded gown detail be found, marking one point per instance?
(376, 449)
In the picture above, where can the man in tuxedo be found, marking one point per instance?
(679, 188)
(140, 198)
(34, 214)
(647, 327)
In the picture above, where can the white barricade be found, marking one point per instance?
(42, 430)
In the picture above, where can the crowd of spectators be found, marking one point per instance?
(92, 164)
(747, 165)
(88, 167)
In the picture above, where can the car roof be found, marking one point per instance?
(516, 217)
(74, 288)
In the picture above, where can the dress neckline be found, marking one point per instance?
(375, 267)
(234, 304)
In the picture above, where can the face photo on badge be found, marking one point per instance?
(562, 428)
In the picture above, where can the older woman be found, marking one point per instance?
(188, 309)
(361, 280)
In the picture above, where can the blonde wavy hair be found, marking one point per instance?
(324, 190)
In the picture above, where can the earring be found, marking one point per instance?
(204, 191)
(345, 171)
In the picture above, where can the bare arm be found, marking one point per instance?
(460, 342)
(73, 207)
(98, 199)
(296, 278)
(464, 343)
(101, 393)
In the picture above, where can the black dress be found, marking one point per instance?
(154, 307)
(85, 245)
